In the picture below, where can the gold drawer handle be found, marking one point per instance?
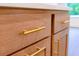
(39, 50)
(25, 32)
(65, 22)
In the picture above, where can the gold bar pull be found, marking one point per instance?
(65, 22)
(38, 51)
(25, 32)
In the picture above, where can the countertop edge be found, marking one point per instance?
(34, 6)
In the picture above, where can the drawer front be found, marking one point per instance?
(61, 22)
(63, 42)
(59, 43)
(62, 46)
(23, 31)
(41, 48)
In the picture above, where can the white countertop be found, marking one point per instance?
(34, 6)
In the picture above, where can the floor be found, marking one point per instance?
(73, 44)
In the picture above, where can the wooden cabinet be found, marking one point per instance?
(62, 46)
(41, 48)
(60, 26)
(16, 30)
(33, 32)
(31, 29)
(61, 21)
(59, 44)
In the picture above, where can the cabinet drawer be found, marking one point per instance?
(62, 46)
(59, 43)
(18, 31)
(61, 22)
(41, 48)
